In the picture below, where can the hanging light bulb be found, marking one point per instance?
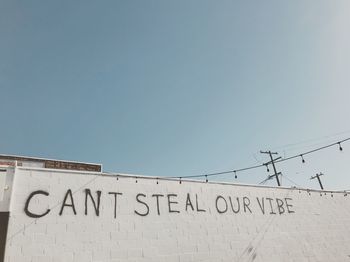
(267, 168)
(302, 159)
(180, 180)
(206, 179)
(157, 181)
(135, 179)
(235, 174)
(340, 148)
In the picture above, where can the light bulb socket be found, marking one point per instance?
(340, 147)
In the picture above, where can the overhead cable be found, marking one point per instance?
(235, 171)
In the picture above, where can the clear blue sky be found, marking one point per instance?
(173, 88)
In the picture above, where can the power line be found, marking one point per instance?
(303, 142)
(291, 181)
(235, 171)
(265, 180)
(315, 150)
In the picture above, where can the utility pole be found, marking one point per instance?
(276, 174)
(318, 178)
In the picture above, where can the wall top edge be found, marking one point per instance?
(135, 176)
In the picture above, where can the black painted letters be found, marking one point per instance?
(188, 202)
(141, 202)
(289, 205)
(224, 210)
(171, 203)
(96, 206)
(115, 201)
(64, 204)
(26, 210)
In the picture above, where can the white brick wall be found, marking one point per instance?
(316, 228)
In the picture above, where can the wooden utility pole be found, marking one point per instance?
(318, 178)
(272, 162)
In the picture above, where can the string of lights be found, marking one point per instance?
(235, 171)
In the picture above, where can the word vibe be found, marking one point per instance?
(272, 206)
(157, 204)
